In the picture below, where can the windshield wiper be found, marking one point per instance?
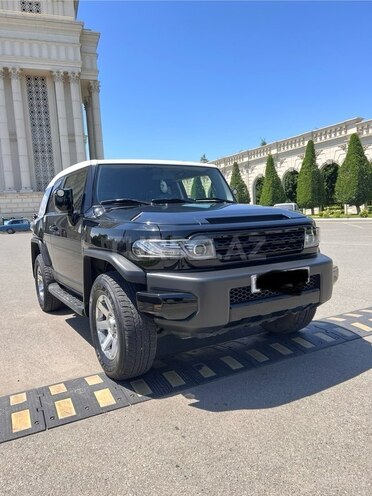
(171, 200)
(124, 201)
(215, 200)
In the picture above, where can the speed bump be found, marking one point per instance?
(29, 412)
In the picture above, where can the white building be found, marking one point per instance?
(330, 147)
(48, 70)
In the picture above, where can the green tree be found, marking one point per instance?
(329, 175)
(236, 182)
(197, 189)
(258, 189)
(290, 186)
(310, 189)
(272, 190)
(203, 159)
(353, 182)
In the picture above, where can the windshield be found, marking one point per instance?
(155, 182)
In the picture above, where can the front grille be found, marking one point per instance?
(244, 295)
(259, 245)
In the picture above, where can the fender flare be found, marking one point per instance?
(127, 269)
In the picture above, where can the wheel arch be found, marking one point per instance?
(96, 262)
(37, 248)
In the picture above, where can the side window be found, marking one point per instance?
(76, 182)
(51, 207)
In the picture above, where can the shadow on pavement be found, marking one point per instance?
(285, 382)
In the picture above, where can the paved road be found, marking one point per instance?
(298, 427)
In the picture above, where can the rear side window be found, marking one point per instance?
(76, 182)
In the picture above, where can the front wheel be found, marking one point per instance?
(290, 323)
(124, 339)
(10, 231)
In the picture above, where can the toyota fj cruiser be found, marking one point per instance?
(144, 248)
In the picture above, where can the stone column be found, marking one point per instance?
(77, 113)
(94, 87)
(6, 154)
(24, 163)
(62, 119)
(90, 126)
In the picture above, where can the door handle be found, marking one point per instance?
(53, 228)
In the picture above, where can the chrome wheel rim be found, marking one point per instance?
(106, 327)
(40, 284)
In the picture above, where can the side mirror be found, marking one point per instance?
(63, 200)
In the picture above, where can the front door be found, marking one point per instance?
(67, 238)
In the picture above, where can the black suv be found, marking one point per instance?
(149, 247)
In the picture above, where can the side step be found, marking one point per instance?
(68, 299)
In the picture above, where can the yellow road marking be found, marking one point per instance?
(353, 315)
(173, 378)
(303, 342)
(57, 389)
(104, 397)
(336, 319)
(93, 379)
(324, 336)
(16, 399)
(141, 387)
(231, 362)
(257, 355)
(65, 408)
(204, 370)
(366, 311)
(282, 349)
(21, 421)
(370, 320)
(364, 327)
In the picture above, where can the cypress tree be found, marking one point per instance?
(258, 187)
(310, 189)
(237, 183)
(272, 190)
(290, 186)
(353, 181)
(197, 189)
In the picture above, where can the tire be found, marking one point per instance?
(43, 277)
(290, 323)
(124, 339)
(10, 231)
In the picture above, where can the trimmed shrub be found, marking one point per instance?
(272, 190)
(310, 189)
(353, 182)
(197, 189)
(364, 213)
(237, 183)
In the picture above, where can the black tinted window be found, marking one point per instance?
(76, 182)
(51, 206)
(148, 182)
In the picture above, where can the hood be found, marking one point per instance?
(199, 214)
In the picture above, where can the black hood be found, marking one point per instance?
(199, 214)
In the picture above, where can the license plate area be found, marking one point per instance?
(290, 281)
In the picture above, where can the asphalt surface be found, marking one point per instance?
(298, 427)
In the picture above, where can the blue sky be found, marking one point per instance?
(179, 79)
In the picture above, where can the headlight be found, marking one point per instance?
(311, 237)
(193, 249)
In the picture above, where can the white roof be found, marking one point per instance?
(87, 163)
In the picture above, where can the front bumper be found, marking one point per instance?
(204, 297)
